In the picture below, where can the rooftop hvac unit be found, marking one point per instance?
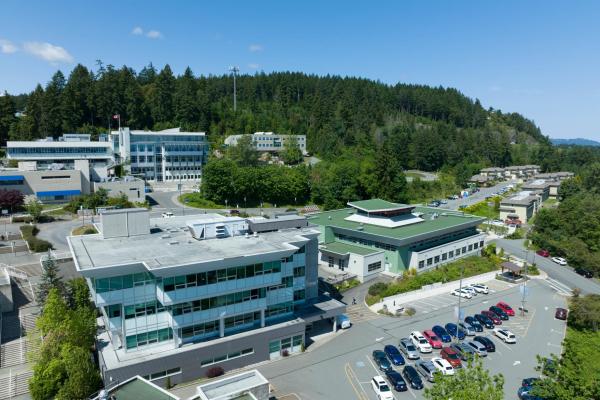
(255, 234)
(173, 242)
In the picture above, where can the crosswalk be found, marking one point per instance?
(561, 288)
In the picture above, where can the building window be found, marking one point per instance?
(451, 254)
(146, 338)
(330, 262)
(299, 295)
(430, 261)
(422, 264)
(229, 356)
(113, 311)
(444, 256)
(481, 244)
(162, 374)
(299, 271)
(218, 301)
(475, 245)
(437, 259)
(374, 266)
(470, 247)
(464, 249)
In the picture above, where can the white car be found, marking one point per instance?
(381, 388)
(480, 288)
(420, 342)
(443, 366)
(470, 290)
(462, 293)
(559, 260)
(505, 335)
(167, 214)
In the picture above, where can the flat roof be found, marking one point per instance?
(344, 248)
(444, 220)
(171, 244)
(522, 198)
(10, 144)
(228, 387)
(377, 205)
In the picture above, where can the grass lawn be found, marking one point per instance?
(195, 200)
(484, 209)
(84, 230)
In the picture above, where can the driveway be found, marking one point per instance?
(56, 232)
(564, 275)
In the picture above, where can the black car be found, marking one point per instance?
(528, 382)
(584, 272)
(489, 345)
(381, 360)
(499, 312)
(474, 324)
(397, 381)
(412, 377)
(485, 321)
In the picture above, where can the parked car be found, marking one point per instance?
(560, 313)
(381, 360)
(452, 329)
(433, 340)
(412, 377)
(443, 366)
(397, 381)
(420, 342)
(543, 253)
(408, 348)
(584, 272)
(474, 324)
(505, 335)
(485, 321)
(167, 214)
(477, 348)
(381, 388)
(559, 260)
(471, 290)
(462, 293)
(427, 369)
(492, 316)
(469, 331)
(442, 334)
(528, 382)
(393, 354)
(464, 351)
(480, 288)
(499, 313)
(506, 308)
(489, 345)
(450, 355)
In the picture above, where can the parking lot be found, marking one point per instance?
(343, 368)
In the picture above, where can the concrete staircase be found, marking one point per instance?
(15, 385)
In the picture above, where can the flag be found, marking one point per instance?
(117, 116)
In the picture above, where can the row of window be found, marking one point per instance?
(366, 242)
(220, 275)
(374, 266)
(142, 309)
(213, 326)
(450, 237)
(278, 309)
(165, 138)
(446, 256)
(122, 282)
(218, 301)
(162, 374)
(277, 345)
(226, 357)
(58, 150)
(142, 339)
(4, 182)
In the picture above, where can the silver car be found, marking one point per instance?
(427, 369)
(467, 329)
(477, 348)
(408, 348)
(464, 351)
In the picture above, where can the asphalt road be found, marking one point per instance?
(56, 232)
(563, 274)
(342, 368)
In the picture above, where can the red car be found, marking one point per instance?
(506, 308)
(433, 340)
(543, 253)
(451, 356)
(492, 316)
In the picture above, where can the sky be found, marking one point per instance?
(538, 58)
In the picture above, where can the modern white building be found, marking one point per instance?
(181, 295)
(269, 141)
(167, 155)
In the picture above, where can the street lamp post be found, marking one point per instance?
(234, 70)
(462, 270)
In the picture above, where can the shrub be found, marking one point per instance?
(36, 245)
(213, 372)
(22, 218)
(377, 289)
(410, 311)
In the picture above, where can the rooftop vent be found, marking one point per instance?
(255, 234)
(329, 217)
(174, 242)
(165, 237)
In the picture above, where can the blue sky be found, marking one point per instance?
(539, 58)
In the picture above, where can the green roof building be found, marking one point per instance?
(371, 236)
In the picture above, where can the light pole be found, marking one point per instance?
(524, 286)
(462, 270)
(234, 70)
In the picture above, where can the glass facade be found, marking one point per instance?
(142, 339)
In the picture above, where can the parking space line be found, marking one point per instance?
(504, 344)
(351, 375)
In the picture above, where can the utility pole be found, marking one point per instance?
(524, 286)
(235, 71)
(462, 270)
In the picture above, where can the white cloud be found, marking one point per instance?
(7, 47)
(137, 31)
(49, 52)
(255, 48)
(154, 34)
(253, 66)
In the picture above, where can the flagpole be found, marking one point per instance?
(119, 122)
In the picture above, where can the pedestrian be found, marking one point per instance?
(353, 300)
(394, 303)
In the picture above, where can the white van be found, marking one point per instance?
(343, 321)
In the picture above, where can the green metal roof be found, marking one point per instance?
(376, 205)
(446, 219)
(343, 248)
(137, 389)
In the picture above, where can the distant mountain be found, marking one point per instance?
(575, 142)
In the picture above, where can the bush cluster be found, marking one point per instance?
(35, 244)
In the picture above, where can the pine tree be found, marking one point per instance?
(7, 116)
(49, 279)
(186, 110)
(161, 98)
(52, 111)
(75, 107)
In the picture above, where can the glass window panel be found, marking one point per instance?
(127, 281)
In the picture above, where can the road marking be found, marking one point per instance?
(505, 345)
(516, 363)
(350, 375)
(555, 345)
(546, 308)
(379, 339)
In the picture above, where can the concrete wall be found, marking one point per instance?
(523, 211)
(189, 359)
(127, 222)
(439, 251)
(45, 180)
(133, 189)
(359, 264)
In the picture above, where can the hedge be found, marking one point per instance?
(35, 244)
